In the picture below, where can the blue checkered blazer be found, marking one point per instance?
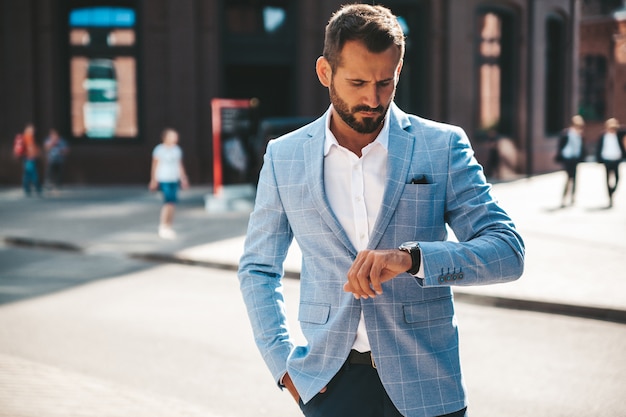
(411, 326)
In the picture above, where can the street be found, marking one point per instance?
(105, 335)
(91, 325)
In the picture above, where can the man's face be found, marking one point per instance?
(351, 117)
(363, 86)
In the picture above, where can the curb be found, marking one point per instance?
(169, 258)
(41, 244)
(571, 310)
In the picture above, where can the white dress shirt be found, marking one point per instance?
(610, 148)
(573, 146)
(354, 187)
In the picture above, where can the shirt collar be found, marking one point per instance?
(330, 140)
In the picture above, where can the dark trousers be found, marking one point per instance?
(612, 169)
(30, 177)
(356, 390)
(54, 174)
(570, 166)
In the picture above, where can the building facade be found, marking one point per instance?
(111, 75)
(602, 66)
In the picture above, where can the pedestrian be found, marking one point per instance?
(610, 151)
(366, 190)
(56, 151)
(167, 175)
(30, 158)
(571, 151)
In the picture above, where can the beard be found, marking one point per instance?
(366, 124)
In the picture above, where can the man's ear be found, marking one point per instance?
(399, 69)
(323, 70)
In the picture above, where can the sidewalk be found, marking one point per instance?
(54, 392)
(574, 254)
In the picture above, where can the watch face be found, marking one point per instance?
(409, 245)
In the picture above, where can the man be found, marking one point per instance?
(610, 152)
(571, 151)
(30, 174)
(351, 188)
(56, 151)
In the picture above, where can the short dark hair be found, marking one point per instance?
(375, 26)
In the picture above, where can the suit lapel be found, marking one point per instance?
(314, 170)
(400, 151)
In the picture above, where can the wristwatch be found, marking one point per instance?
(413, 249)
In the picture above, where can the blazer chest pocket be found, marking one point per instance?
(429, 313)
(313, 313)
(418, 192)
(425, 199)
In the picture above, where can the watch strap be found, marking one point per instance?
(416, 258)
(413, 249)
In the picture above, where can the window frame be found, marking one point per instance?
(592, 83)
(508, 62)
(555, 81)
(94, 52)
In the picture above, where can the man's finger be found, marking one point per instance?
(376, 276)
(363, 276)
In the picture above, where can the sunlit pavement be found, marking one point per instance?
(574, 258)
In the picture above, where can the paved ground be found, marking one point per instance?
(574, 259)
(573, 254)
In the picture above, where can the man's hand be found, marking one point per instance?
(373, 267)
(288, 383)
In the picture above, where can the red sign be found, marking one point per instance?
(229, 118)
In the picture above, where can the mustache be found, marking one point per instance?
(378, 109)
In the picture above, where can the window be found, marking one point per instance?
(593, 72)
(413, 91)
(555, 70)
(259, 54)
(497, 76)
(252, 17)
(103, 72)
(490, 51)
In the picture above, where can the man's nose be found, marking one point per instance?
(371, 96)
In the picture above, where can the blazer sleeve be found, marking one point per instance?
(261, 270)
(489, 248)
(562, 142)
(621, 138)
(599, 146)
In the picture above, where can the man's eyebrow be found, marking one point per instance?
(366, 81)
